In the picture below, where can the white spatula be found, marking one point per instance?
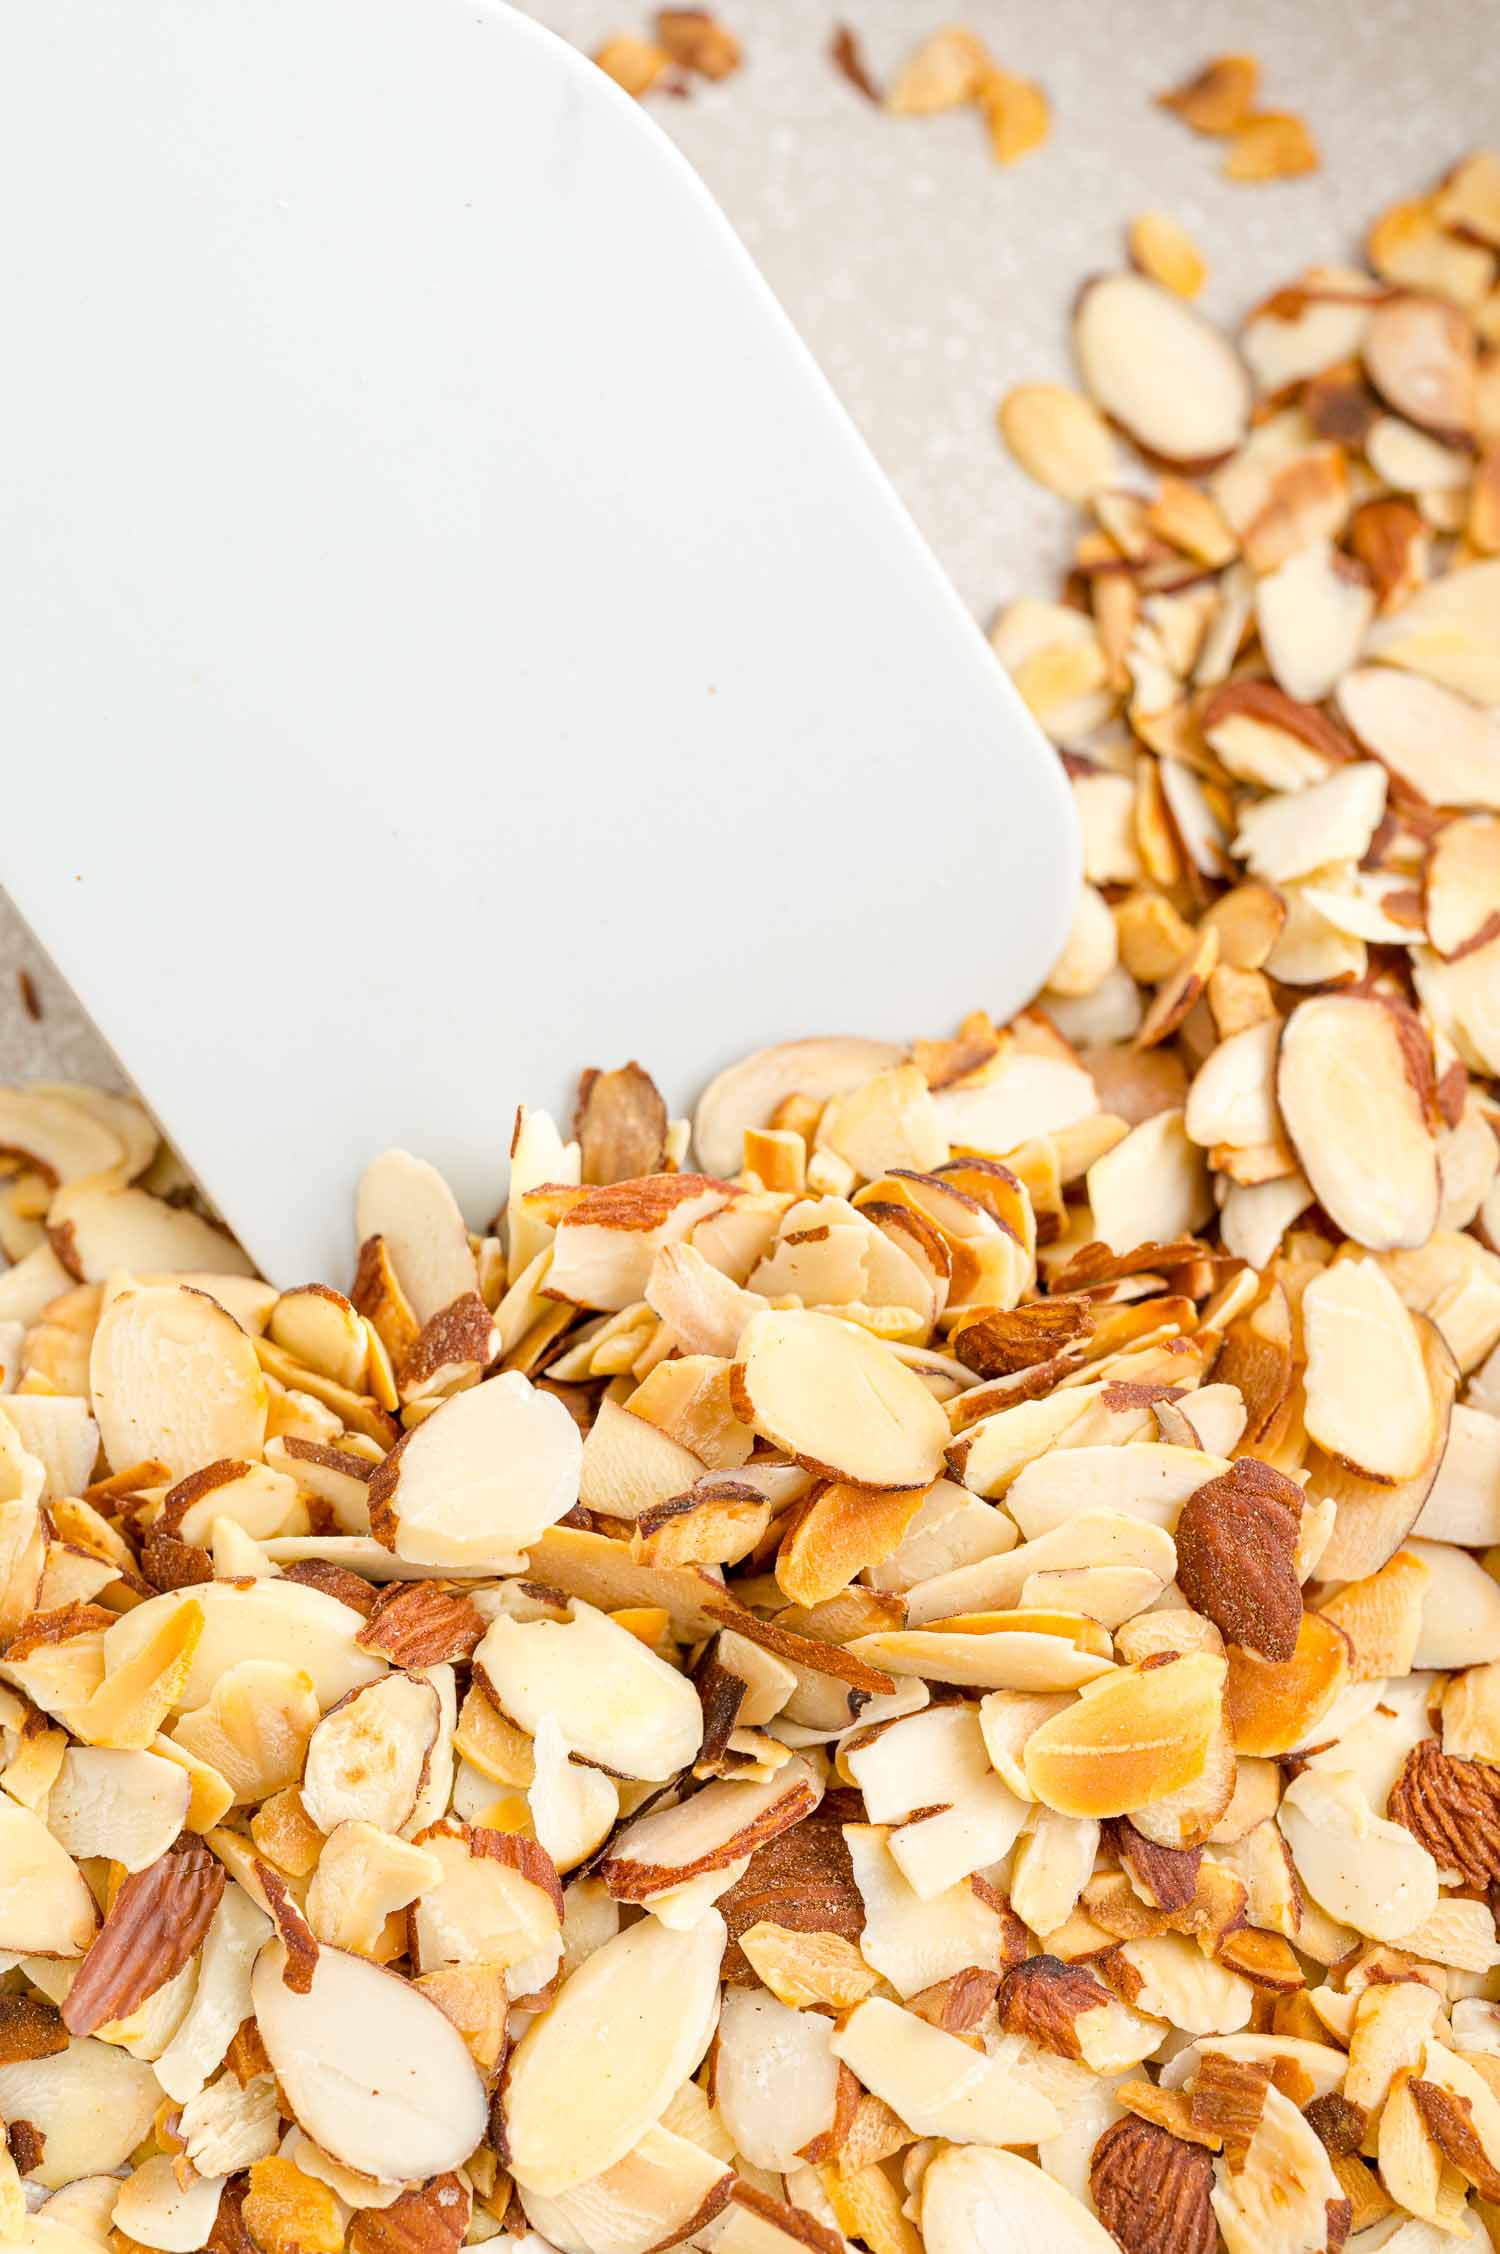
(454, 635)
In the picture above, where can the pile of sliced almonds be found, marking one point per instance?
(914, 1662)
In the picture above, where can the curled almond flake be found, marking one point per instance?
(1165, 252)
(1271, 145)
(156, 1922)
(1217, 98)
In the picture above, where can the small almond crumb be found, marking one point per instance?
(1271, 145)
(1165, 252)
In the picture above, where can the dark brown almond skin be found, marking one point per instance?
(1229, 2096)
(959, 2003)
(1449, 2121)
(460, 1333)
(1338, 2125)
(620, 1122)
(420, 1624)
(158, 1918)
(630, 1881)
(1153, 2191)
(721, 1694)
(1166, 1876)
(430, 2219)
(803, 1879)
(1452, 1808)
(336, 1581)
(1043, 1998)
(1237, 1557)
(27, 2146)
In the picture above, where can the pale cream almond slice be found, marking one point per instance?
(937, 2084)
(476, 1483)
(614, 1701)
(606, 1242)
(97, 1227)
(1419, 354)
(1463, 1504)
(1032, 1651)
(1091, 950)
(1355, 901)
(1372, 1519)
(603, 1572)
(279, 1620)
(1368, 1403)
(497, 1901)
(628, 1466)
(936, 1852)
(1152, 1187)
(911, 1942)
(154, 2209)
(1265, 737)
(257, 1497)
(1139, 1734)
(747, 1094)
(1368, 1873)
(1093, 1539)
(920, 1761)
(57, 1136)
(407, 1203)
(1059, 439)
(1410, 461)
(1460, 1609)
(1429, 736)
(1017, 1096)
(715, 1827)
(58, 1432)
(1211, 1419)
(1285, 2191)
(124, 1118)
(1298, 334)
(1146, 1480)
(538, 1155)
(976, 2199)
(173, 1377)
(1463, 998)
(321, 1328)
(367, 1757)
(590, 2077)
(776, 2077)
(1181, 1985)
(1128, 336)
(363, 1876)
(888, 1120)
(1205, 838)
(667, 2189)
(573, 1808)
(1349, 1057)
(1110, 1594)
(992, 1451)
(32, 1284)
(705, 1310)
(1296, 832)
(231, 2125)
(1312, 613)
(91, 2104)
(838, 1401)
(128, 1806)
(1462, 884)
(221, 1998)
(373, 2072)
(1233, 1095)
(46, 1909)
(1309, 950)
(1449, 632)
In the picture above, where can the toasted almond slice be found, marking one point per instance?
(373, 2071)
(807, 1968)
(1448, 632)
(271, 1619)
(1293, 834)
(1346, 1057)
(1059, 439)
(588, 2078)
(615, 1702)
(717, 1826)
(747, 1093)
(664, 2190)
(1233, 1096)
(1273, 1705)
(497, 1901)
(1162, 249)
(1127, 332)
(1366, 1872)
(1434, 740)
(1368, 1402)
(368, 1756)
(1032, 1651)
(839, 1401)
(937, 2085)
(172, 1376)
(1271, 145)
(476, 1483)
(407, 1203)
(1145, 1480)
(1138, 1735)
(608, 1238)
(1217, 98)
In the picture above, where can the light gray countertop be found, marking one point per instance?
(928, 281)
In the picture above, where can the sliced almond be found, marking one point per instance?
(614, 1701)
(476, 1483)
(1271, 145)
(1126, 332)
(406, 1203)
(367, 1758)
(838, 1401)
(128, 1806)
(173, 1377)
(1163, 250)
(90, 2106)
(1366, 1872)
(1432, 739)
(279, 1620)
(1344, 1057)
(1138, 1735)
(1368, 1400)
(717, 1826)
(1312, 612)
(1059, 439)
(937, 2085)
(1419, 352)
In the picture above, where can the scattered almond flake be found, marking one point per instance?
(634, 64)
(1217, 98)
(1170, 380)
(847, 57)
(1271, 145)
(1058, 438)
(1163, 250)
(947, 71)
(697, 41)
(1017, 113)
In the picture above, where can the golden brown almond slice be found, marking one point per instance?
(620, 1122)
(842, 1530)
(479, 1480)
(1017, 112)
(1382, 1617)
(1059, 439)
(1368, 1403)
(1126, 332)
(748, 1093)
(1271, 145)
(1162, 249)
(1217, 98)
(1138, 1735)
(174, 1377)
(1272, 1706)
(946, 71)
(615, 1702)
(373, 2072)
(839, 1401)
(272, 1619)
(1343, 1057)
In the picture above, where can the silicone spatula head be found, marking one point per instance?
(455, 635)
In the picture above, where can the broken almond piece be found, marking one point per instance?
(478, 1481)
(1271, 145)
(1217, 98)
(1059, 439)
(1163, 250)
(1347, 1057)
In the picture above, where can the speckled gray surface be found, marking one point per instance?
(927, 280)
